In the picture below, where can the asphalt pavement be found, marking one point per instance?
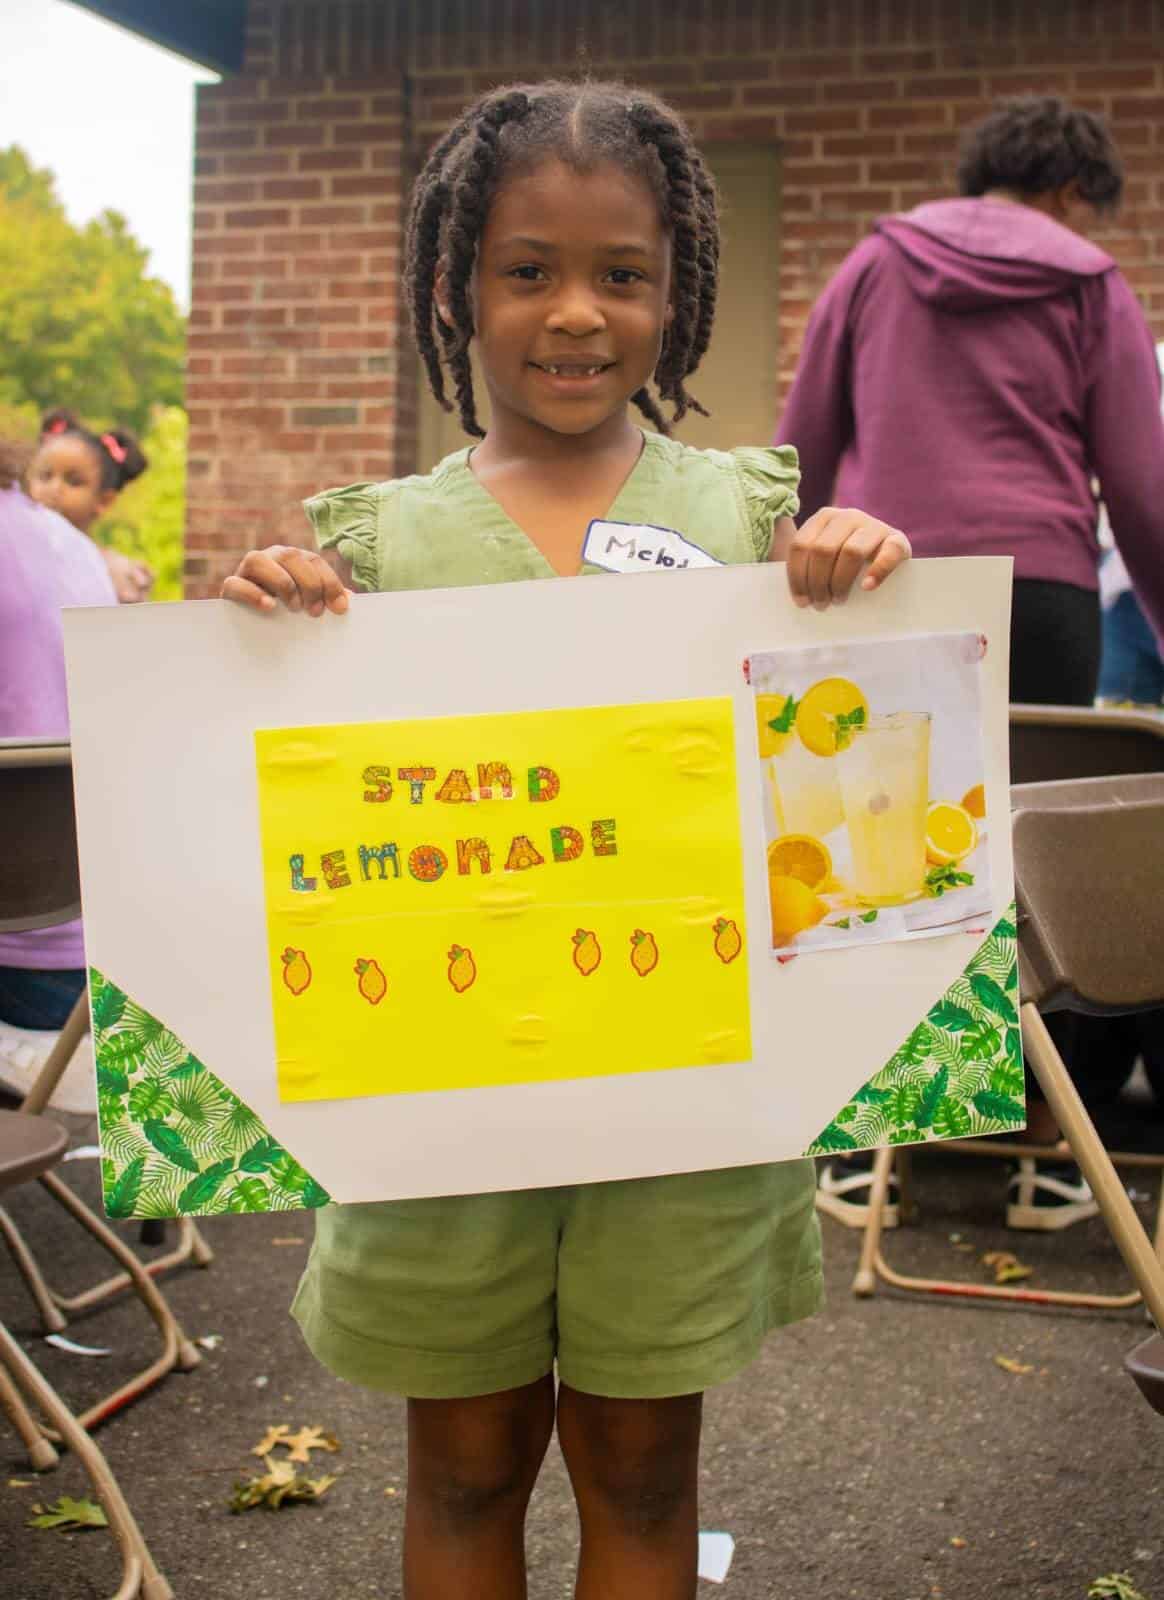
(878, 1451)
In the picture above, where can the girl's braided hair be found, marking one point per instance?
(582, 124)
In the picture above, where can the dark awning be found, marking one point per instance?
(210, 32)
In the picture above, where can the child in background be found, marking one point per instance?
(80, 474)
(570, 230)
(44, 565)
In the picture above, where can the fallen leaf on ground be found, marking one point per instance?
(66, 1513)
(1114, 1586)
(301, 1444)
(959, 1544)
(1008, 1364)
(209, 1341)
(276, 1434)
(278, 1485)
(292, 1238)
(389, 1490)
(21, 1483)
(1007, 1267)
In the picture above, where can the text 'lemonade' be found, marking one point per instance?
(884, 776)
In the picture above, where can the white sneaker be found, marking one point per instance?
(24, 1051)
(843, 1189)
(1044, 1196)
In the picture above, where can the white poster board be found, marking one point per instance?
(202, 1107)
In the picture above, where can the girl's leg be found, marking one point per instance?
(634, 1465)
(471, 1469)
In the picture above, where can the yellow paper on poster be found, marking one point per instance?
(460, 902)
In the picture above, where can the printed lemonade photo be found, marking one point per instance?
(874, 808)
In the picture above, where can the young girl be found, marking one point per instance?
(80, 474)
(570, 231)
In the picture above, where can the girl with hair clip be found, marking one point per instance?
(570, 231)
(79, 474)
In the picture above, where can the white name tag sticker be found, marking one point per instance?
(637, 547)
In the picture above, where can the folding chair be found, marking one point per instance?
(1050, 743)
(1092, 942)
(29, 1148)
(40, 887)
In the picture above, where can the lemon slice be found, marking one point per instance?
(974, 801)
(794, 908)
(951, 833)
(778, 709)
(826, 714)
(799, 855)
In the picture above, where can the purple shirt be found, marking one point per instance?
(969, 369)
(44, 564)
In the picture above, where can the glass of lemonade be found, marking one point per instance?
(805, 795)
(884, 777)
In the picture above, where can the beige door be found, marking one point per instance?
(737, 379)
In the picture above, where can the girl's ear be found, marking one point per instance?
(104, 500)
(440, 294)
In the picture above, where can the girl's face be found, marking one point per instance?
(66, 476)
(571, 296)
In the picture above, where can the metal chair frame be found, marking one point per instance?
(41, 1144)
(1045, 984)
(55, 898)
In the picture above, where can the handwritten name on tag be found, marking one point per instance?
(637, 547)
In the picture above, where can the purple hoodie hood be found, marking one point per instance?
(970, 255)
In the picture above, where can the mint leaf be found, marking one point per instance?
(869, 916)
(939, 879)
(785, 722)
(843, 922)
(843, 724)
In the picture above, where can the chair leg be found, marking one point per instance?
(140, 1574)
(864, 1281)
(41, 1454)
(191, 1246)
(59, 1057)
(51, 1319)
(177, 1350)
(1118, 1212)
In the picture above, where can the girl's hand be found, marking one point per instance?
(302, 579)
(132, 580)
(825, 556)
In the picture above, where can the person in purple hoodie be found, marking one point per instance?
(45, 563)
(983, 346)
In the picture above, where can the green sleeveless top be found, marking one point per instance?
(444, 530)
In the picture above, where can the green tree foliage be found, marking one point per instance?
(82, 323)
(146, 520)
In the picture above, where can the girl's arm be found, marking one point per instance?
(825, 556)
(304, 580)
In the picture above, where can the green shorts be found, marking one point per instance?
(639, 1289)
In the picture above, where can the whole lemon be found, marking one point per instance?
(794, 908)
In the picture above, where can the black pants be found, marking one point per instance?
(1055, 641)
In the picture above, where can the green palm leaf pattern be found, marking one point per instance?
(958, 1073)
(176, 1141)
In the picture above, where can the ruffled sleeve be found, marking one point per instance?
(348, 520)
(769, 479)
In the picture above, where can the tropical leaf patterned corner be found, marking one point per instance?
(175, 1140)
(959, 1073)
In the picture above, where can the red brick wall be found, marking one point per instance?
(299, 376)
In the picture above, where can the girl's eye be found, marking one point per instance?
(527, 274)
(621, 276)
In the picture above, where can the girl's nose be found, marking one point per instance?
(576, 312)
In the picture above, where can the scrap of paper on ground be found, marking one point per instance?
(874, 790)
(461, 902)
